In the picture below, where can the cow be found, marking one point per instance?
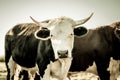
(42, 48)
(99, 45)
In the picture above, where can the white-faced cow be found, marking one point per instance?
(45, 47)
(98, 45)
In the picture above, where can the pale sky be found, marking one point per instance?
(13, 12)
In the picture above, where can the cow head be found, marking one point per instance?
(117, 29)
(61, 32)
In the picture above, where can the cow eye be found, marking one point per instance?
(71, 34)
(51, 35)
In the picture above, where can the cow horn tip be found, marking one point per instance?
(34, 20)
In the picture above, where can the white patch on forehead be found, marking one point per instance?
(60, 21)
(62, 31)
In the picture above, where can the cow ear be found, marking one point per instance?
(79, 31)
(42, 34)
(117, 33)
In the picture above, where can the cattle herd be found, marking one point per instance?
(49, 49)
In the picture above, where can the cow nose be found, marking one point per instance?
(63, 53)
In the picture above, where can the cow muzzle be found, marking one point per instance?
(62, 53)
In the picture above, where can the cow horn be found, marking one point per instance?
(46, 21)
(79, 22)
(35, 20)
(42, 24)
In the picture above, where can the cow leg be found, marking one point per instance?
(11, 66)
(33, 72)
(32, 75)
(7, 58)
(27, 73)
(114, 68)
(8, 71)
(24, 75)
(17, 72)
(14, 70)
(102, 65)
(37, 76)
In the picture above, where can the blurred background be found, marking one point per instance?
(13, 12)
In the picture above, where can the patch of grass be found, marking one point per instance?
(2, 59)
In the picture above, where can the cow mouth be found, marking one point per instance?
(63, 56)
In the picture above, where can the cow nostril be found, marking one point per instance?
(66, 52)
(63, 54)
